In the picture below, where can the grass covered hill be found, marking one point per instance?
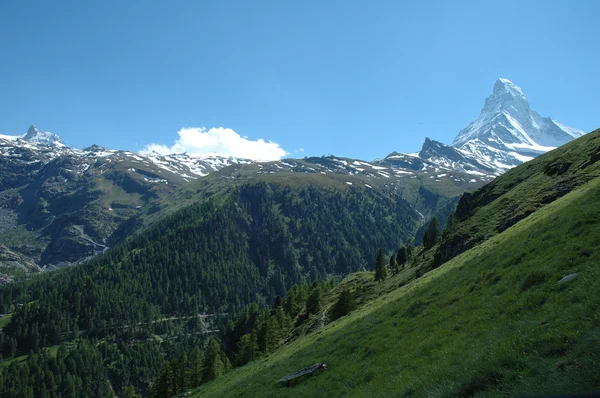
(499, 319)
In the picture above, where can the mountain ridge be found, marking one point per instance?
(60, 197)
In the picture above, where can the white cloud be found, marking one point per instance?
(221, 141)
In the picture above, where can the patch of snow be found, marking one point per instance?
(11, 137)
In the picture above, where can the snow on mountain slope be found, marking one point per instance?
(44, 147)
(42, 137)
(10, 137)
(508, 132)
(437, 157)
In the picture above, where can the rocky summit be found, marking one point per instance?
(508, 132)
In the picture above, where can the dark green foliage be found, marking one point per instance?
(129, 392)
(410, 248)
(258, 331)
(215, 361)
(344, 304)
(182, 373)
(247, 349)
(253, 244)
(392, 267)
(380, 267)
(313, 302)
(216, 256)
(401, 257)
(195, 366)
(76, 373)
(432, 234)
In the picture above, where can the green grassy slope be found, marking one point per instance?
(491, 322)
(520, 192)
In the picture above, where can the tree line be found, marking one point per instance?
(215, 257)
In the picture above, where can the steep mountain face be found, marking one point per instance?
(506, 133)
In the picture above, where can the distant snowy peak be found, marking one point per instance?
(437, 157)
(508, 132)
(42, 137)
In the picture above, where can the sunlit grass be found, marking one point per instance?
(491, 322)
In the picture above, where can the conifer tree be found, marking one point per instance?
(380, 269)
(195, 376)
(213, 361)
(432, 234)
(392, 266)
(313, 302)
(344, 304)
(401, 258)
(410, 247)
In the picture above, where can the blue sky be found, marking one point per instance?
(350, 78)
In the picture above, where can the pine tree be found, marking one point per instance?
(432, 234)
(344, 304)
(162, 387)
(182, 380)
(213, 362)
(246, 350)
(392, 266)
(401, 258)
(195, 376)
(410, 247)
(380, 269)
(313, 302)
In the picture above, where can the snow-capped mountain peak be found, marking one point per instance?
(504, 86)
(42, 137)
(508, 132)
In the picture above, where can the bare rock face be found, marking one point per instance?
(11, 259)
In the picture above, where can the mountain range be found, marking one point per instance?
(189, 269)
(60, 205)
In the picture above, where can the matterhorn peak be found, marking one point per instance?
(31, 132)
(505, 86)
(508, 132)
(42, 137)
